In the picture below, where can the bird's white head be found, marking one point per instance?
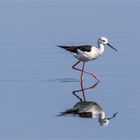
(104, 122)
(103, 40)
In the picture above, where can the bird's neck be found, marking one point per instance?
(102, 116)
(101, 48)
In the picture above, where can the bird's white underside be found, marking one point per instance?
(87, 56)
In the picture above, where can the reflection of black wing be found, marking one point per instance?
(85, 115)
(73, 49)
(69, 111)
(76, 112)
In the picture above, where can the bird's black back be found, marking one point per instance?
(73, 49)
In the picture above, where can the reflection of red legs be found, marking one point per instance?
(74, 92)
(81, 80)
(74, 67)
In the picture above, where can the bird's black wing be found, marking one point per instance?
(74, 48)
(84, 48)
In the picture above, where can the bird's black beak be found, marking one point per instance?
(114, 115)
(112, 47)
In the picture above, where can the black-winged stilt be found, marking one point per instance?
(88, 109)
(86, 53)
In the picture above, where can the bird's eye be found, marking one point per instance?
(103, 40)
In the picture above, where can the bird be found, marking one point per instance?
(85, 53)
(89, 109)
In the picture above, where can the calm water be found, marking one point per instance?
(36, 79)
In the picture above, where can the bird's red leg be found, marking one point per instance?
(94, 75)
(74, 67)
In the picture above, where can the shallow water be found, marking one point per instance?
(36, 79)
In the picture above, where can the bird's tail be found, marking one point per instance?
(71, 49)
(63, 47)
(61, 114)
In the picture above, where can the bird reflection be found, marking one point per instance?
(88, 109)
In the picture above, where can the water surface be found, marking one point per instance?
(36, 79)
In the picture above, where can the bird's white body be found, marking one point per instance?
(88, 56)
(88, 52)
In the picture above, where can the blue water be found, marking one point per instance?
(36, 79)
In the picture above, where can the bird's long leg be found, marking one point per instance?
(81, 77)
(81, 80)
(75, 91)
(75, 68)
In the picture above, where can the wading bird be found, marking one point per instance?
(86, 53)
